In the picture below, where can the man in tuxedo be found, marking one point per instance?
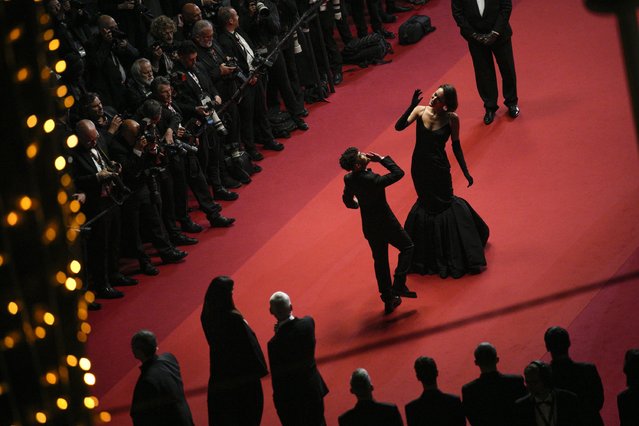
(484, 24)
(298, 387)
(578, 377)
(158, 398)
(366, 190)
(367, 411)
(545, 405)
(490, 399)
(433, 407)
(628, 400)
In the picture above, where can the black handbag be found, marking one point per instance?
(238, 164)
(414, 29)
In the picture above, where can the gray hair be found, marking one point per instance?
(201, 25)
(135, 68)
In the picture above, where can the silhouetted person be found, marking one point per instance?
(545, 405)
(578, 377)
(628, 400)
(433, 407)
(367, 411)
(490, 399)
(158, 398)
(298, 387)
(235, 396)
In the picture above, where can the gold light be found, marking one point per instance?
(89, 296)
(22, 74)
(1, 260)
(90, 402)
(105, 416)
(80, 218)
(74, 206)
(9, 342)
(69, 101)
(83, 314)
(41, 417)
(60, 277)
(32, 149)
(15, 34)
(75, 266)
(32, 121)
(65, 180)
(50, 234)
(85, 364)
(60, 66)
(54, 44)
(71, 235)
(89, 379)
(86, 328)
(72, 360)
(62, 197)
(72, 141)
(82, 337)
(71, 284)
(44, 19)
(25, 203)
(51, 378)
(62, 403)
(48, 318)
(12, 307)
(49, 125)
(12, 218)
(48, 35)
(60, 163)
(40, 332)
(45, 73)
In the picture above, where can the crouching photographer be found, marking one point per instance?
(142, 160)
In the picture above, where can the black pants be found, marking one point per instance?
(374, 12)
(255, 125)
(103, 244)
(280, 83)
(485, 75)
(239, 405)
(399, 239)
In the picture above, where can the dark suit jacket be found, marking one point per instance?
(84, 173)
(435, 408)
(158, 398)
(628, 405)
(190, 93)
(490, 399)
(582, 379)
(371, 413)
(567, 409)
(232, 47)
(496, 18)
(291, 353)
(370, 190)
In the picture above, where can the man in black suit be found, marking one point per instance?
(367, 411)
(628, 400)
(367, 190)
(158, 398)
(545, 405)
(433, 407)
(490, 399)
(578, 377)
(484, 24)
(298, 387)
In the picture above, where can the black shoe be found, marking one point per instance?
(388, 19)
(386, 34)
(304, 113)
(147, 268)
(172, 255)
(190, 226)
(122, 280)
(108, 292)
(230, 183)
(392, 304)
(489, 117)
(513, 111)
(338, 78)
(221, 222)
(398, 9)
(255, 155)
(226, 195)
(403, 291)
(256, 168)
(273, 145)
(183, 240)
(301, 124)
(94, 306)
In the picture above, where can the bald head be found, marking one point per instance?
(486, 357)
(361, 385)
(105, 21)
(191, 13)
(280, 305)
(129, 131)
(87, 133)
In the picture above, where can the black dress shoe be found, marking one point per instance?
(122, 280)
(255, 155)
(147, 268)
(108, 292)
(190, 226)
(392, 304)
(94, 306)
(398, 9)
(221, 222)
(338, 78)
(230, 183)
(304, 113)
(172, 255)
(386, 34)
(388, 19)
(256, 168)
(226, 195)
(489, 116)
(273, 145)
(301, 124)
(513, 111)
(404, 292)
(183, 240)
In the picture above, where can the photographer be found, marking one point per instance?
(162, 48)
(70, 23)
(132, 15)
(105, 118)
(255, 125)
(140, 213)
(109, 54)
(138, 85)
(262, 24)
(189, 15)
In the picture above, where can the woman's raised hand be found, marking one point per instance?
(417, 98)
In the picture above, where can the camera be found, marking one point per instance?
(210, 11)
(118, 34)
(260, 61)
(232, 62)
(214, 120)
(262, 10)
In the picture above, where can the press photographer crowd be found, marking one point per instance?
(175, 97)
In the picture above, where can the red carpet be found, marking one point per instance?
(558, 187)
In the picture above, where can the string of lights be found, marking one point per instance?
(45, 377)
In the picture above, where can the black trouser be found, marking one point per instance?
(485, 75)
(103, 244)
(374, 9)
(399, 239)
(279, 82)
(255, 125)
(173, 187)
(200, 187)
(239, 405)
(327, 24)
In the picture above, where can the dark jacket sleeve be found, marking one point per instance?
(396, 173)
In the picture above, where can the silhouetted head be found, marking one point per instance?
(450, 97)
(280, 305)
(631, 368)
(538, 375)
(353, 160)
(557, 341)
(426, 370)
(144, 345)
(361, 385)
(219, 295)
(486, 356)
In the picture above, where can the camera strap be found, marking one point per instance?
(195, 79)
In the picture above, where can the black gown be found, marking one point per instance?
(449, 235)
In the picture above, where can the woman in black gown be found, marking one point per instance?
(235, 396)
(449, 235)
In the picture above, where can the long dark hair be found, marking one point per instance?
(450, 96)
(218, 303)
